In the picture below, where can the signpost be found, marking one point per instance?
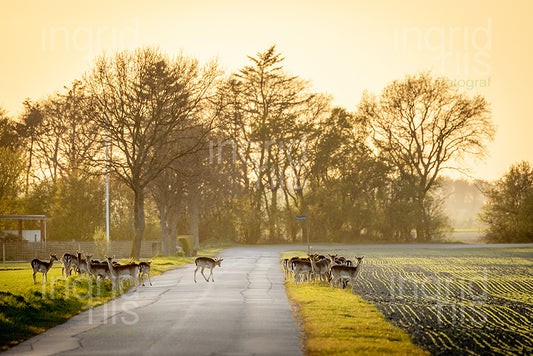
(300, 218)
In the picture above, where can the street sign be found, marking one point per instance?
(303, 217)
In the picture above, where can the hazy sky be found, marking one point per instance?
(343, 47)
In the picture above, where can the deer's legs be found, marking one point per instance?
(333, 282)
(202, 271)
(195, 273)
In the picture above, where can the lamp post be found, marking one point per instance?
(106, 177)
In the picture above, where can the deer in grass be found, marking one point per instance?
(206, 262)
(301, 266)
(131, 270)
(43, 267)
(69, 261)
(320, 266)
(289, 267)
(285, 268)
(97, 269)
(340, 272)
(82, 265)
(144, 268)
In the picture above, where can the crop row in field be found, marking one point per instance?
(452, 302)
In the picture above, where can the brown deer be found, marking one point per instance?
(68, 260)
(340, 272)
(131, 270)
(43, 267)
(301, 266)
(97, 269)
(320, 266)
(206, 262)
(144, 268)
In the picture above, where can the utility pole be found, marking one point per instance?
(107, 176)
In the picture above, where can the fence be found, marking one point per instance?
(27, 251)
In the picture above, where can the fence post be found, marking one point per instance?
(4, 252)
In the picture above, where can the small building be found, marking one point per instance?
(28, 235)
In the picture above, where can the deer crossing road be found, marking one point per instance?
(245, 312)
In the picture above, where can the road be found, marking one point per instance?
(245, 312)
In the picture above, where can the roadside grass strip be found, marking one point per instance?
(336, 322)
(27, 309)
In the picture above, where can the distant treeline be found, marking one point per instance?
(192, 150)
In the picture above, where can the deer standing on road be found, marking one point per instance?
(206, 262)
(43, 267)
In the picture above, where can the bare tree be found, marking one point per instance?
(151, 104)
(67, 136)
(508, 210)
(422, 126)
(30, 130)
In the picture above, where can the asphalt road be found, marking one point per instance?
(244, 312)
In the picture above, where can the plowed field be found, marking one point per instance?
(454, 301)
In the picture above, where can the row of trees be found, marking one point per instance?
(508, 212)
(239, 156)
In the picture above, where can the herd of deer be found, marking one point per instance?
(93, 268)
(110, 269)
(334, 269)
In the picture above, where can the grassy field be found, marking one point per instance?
(27, 309)
(454, 301)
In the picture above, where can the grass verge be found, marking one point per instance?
(27, 309)
(337, 322)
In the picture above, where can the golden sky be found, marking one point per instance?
(342, 46)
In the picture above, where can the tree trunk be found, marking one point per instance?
(195, 217)
(138, 222)
(173, 218)
(163, 218)
(273, 221)
(421, 221)
(254, 221)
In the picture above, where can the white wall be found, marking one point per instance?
(28, 235)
